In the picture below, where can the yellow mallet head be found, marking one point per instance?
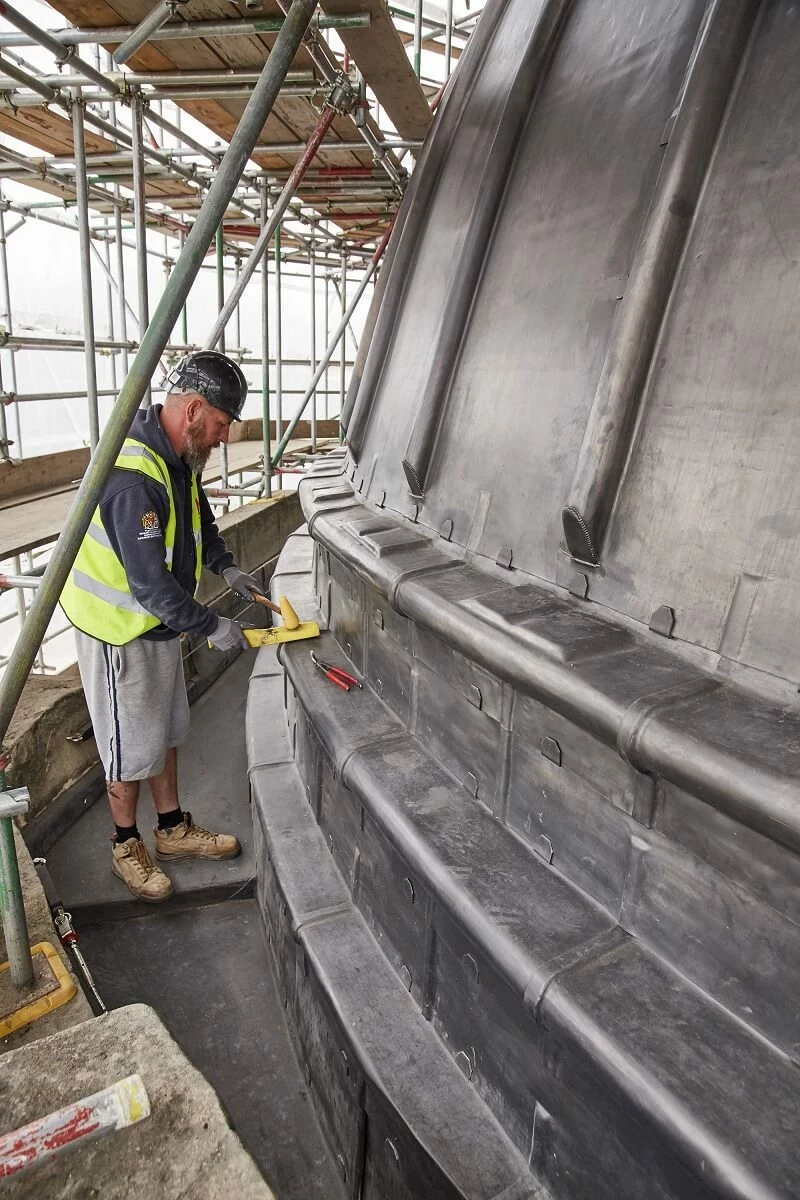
(290, 617)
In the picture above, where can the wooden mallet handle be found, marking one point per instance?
(259, 599)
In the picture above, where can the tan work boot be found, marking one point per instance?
(188, 840)
(131, 861)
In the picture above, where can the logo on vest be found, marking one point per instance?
(150, 526)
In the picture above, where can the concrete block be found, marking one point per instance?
(52, 709)
(185, 1148)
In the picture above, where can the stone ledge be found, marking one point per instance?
(184, 1148)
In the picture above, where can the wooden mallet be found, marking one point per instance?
(283, 608)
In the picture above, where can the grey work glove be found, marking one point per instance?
(244, 585)
(228, 636)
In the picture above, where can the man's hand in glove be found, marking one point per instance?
(244, 585)
(228, 635)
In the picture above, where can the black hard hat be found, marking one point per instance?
(212, 375)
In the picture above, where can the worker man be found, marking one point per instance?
(130, 596)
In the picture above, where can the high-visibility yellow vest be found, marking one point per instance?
(97, 597)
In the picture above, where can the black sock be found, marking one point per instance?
(170, 820)
(125, 832)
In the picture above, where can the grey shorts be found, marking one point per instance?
(137, 701)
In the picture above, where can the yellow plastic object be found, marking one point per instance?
(271, 637)
(42, 1005)
(290, 617)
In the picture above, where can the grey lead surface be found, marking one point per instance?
(563, 554)
(207, 974)
(205, 967)
(212, 778)
(701, 522)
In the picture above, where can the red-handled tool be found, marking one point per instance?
(336, 674)
(329, 674)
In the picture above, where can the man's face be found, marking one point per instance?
(206, 429)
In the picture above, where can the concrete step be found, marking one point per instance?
(184, 1148)
(208, 974)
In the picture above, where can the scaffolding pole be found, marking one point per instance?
(343, 356)
(90, 356)
(185, 77)
(65, 55)
(322, 57)
(327, 339)
(237, 316)
(265, 415)
(278, 337)
(188, 30)
(113, 284)
(105, 267)
(22, 601)
(105, 261)
(4, 447)
(15, 74)
(312, 270)
(219, 247)
(140, 222)
(121, 302)
(5, 452)
(169, 90)
(184, 310)
(133, 389)
(12, 907)
(220, 260)
(353, 337)
(418, 39)
(141, 34)
(37, 397)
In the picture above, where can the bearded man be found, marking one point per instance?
(130, 596)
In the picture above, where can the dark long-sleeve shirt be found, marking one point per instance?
(135, 511)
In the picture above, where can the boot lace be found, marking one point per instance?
(198, 831)
(142, 861)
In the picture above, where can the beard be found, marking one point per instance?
(197, 450)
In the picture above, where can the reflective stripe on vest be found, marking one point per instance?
(97, 597)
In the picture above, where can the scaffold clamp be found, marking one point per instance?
(14, 802)
(342, 97)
